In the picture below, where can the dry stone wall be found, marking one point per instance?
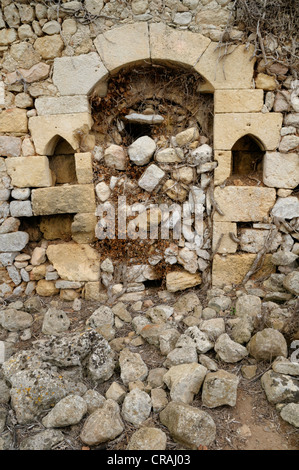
(244, 177)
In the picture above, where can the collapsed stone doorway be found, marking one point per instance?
(153, 132)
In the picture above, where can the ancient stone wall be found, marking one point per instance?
(65, 158)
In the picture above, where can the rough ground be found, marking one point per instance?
(253, 424)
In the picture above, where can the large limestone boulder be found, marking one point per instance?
(148, 439)
(220, 388)
(267, 344)
(181, 280)
(132, 367)
(280, 388)
(75, 262)
(103, 425)
(184, 381)
(188, 425)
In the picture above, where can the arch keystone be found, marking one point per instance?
(176, 46)
(124, 45)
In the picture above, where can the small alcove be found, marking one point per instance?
(247, 157)
(62, 163)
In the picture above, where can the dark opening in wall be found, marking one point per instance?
(62, 163)
(247, 157)
(49, 227)
(135, 130)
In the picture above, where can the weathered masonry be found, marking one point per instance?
(58, 168)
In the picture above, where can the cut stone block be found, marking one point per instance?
(84, 168)
(75, 262)
(229, 128)
(128, 44)
(14, 120)
(181, 280)
(78, 75)
(231, 269)
(168, 44)
(244, 203)
(227, 245)
(238, 101)
(62, 105)
(235, 71)
(281, 170)
(63, 200)
(29, 171)
(224, 168)
(47, 130)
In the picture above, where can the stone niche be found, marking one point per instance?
(153, 167)
(150, 119)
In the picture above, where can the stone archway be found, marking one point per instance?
(237, 108)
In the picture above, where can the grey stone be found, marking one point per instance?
(283, 258)
(102, 316)
(21, 194)
(144, 118)
(168, 340)
(15, 320)
(200, 338)
(213, 328)
(103, 425)
(46, 389)
(4, 389)
(151, 178)
(228, 350)
(182, 19)
(136, 407)
(68, 411)
(280, 388)
(188, 425)
(241, 332)
(7, 259)
(51, 27)
(267, 344)
(220, 388)
(286, 207)
(10, 146)
(283, 366)
(132, 367)
(248, 305)
(290, 413)
(184, 381)
(21, 209)
(220, 303)
(141, 151)
(207, 362)
(55, 322)
(288, 142)
(14, 275)
(148, 438)
(291, 282)
(43, 440)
